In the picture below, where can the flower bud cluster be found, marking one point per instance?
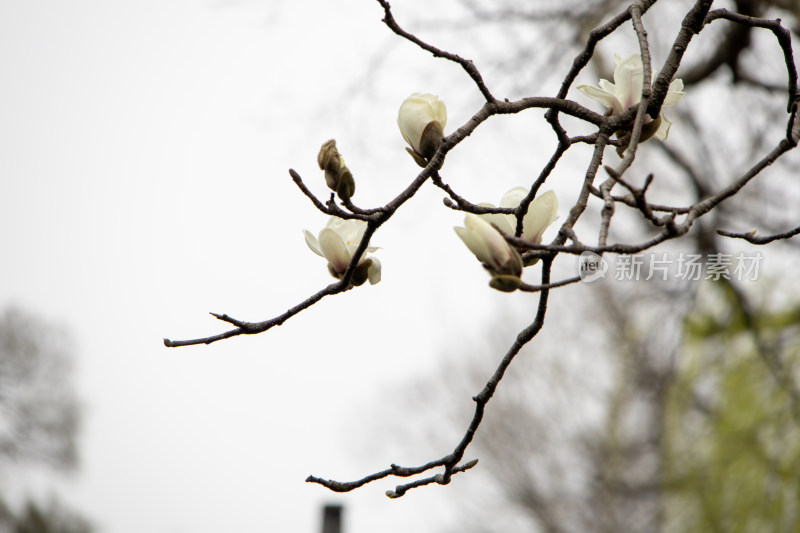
(422, 119)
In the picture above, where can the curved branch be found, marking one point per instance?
(783, 36)
(450, 461)
(466, 64)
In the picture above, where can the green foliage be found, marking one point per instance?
(732, 433)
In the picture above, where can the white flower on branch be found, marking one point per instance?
(626, 91)
(337, 242)
(490, 247)
(542, 212)
(422, 118)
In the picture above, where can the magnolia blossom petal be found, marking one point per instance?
(338, 242)
(627, 90)
(609, 100)
(351, 231)
(500, 220)
(439, 111)
(412, 121)
(628, 79)
(608, 87)
(513, 197)
(416, 112)
(475, 245)
(674, 93)
(541, 213)
(663, 129)
(374, 272)
(313, 243)
(348, 229)
(334, 250)
(499, 252)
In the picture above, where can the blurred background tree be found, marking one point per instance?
(39, 419)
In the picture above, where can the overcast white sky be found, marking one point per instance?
(144, 149)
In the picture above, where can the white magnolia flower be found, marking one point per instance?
(627, 91)
(337, 242)
(542, 212)
(490, 247)
(422, 118)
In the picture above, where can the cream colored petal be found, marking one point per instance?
(513, 197)
(339, 225)
(628, 79)
(334, 250)
(313, 243)
(475, 244)
(674, 93)
(440, 112)
(416, 112)
(412, 120)
(541, 213)
(608, 87)
(351, 231)
(499, 251)
(354, 231)
(498, 219)
(663, 129)
(609, 100)
(374, 272)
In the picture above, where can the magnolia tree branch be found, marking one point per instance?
(466, 64)
(624, 129)
(752, 238)
(449, 462)
(783, 36)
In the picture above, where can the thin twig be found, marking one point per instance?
(451, 460)
(752, 238)
(466, 64)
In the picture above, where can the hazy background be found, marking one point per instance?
(144, 150)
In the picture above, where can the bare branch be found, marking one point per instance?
(692, 24)
(450, 461)
(299, 182)
(752, 238)
(466, 64)
(783, 36)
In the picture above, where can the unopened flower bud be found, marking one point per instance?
(470, 464)
(421, 119)
(337, 175)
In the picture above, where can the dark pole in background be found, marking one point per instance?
(332, 519)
